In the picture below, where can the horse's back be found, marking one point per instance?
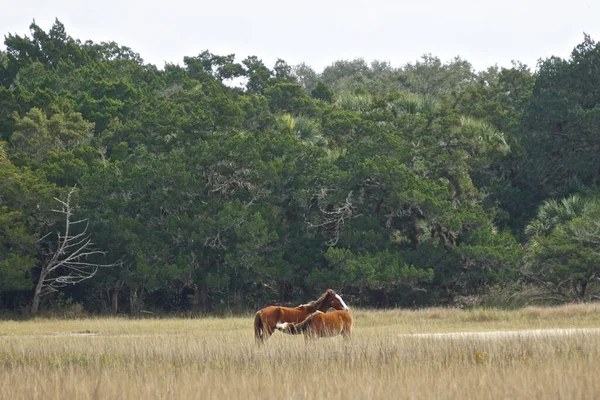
(341, 315)
(283, 314)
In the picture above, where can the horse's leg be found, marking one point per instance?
(269, 331)
(347, 333)
(270, 326)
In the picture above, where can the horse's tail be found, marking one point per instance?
(258, 327)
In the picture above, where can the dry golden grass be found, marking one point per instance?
(217, 358)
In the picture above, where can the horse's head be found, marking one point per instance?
(335, 301)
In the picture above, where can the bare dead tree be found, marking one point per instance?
(69, 264)
(333, 219)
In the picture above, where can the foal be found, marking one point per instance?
(319, 324)
(265, 320)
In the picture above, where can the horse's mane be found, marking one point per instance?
(319, 302)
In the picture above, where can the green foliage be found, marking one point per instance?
(381, 271)
(396, 185)
(563, 249)
(303, 128)
(560, 123)
(354, 102)
(17, 252)
(488, 258)
(306, 76)
(322, 92)
(430, 76)
(258, 75)
(288, 97)
(8, 106)
(35, 135)
(411, 103)
(221, 67)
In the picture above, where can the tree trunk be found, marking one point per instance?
(37, 294)
(114, 301)
(133, 302)
(583, 290)
(200, 298)
(383, 299)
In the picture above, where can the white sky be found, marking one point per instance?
(320, 32)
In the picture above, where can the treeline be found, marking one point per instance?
(409, 186)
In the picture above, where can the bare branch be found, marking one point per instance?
(215, 242)
(70, 263)
(334, 218)
(45, 236)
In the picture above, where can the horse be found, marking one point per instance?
(265, 320)
(319, 325)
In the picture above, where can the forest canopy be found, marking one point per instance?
(223, 184)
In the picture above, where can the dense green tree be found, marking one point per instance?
(288, 97)
(8, 105)
(430, 76)
(283, 72)
(257, 73)
(322, 92)
(221, 67)
(306, 76)
(562, 253)
(36, 134)
(17, 251)
(560, 122)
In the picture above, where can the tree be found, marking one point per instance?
(258, 75)
(306, 76)
(563, 251)
(560, 124)
(221, 67)
(383, 272)
(430, 76)
(396, 181)
(8, 105)
(305, 129)
(343, 69)
(283, 72)
(72, 260)
(288, 97)
(35, 135)
(17, 251)
(322, 92)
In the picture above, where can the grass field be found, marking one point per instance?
(216, 358)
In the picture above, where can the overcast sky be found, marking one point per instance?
(320, 32)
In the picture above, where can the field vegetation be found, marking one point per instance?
(388, 357)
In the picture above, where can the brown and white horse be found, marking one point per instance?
(265, 320)
(319, 324)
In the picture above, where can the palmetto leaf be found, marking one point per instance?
(354, 102)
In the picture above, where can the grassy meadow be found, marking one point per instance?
(388, 358)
